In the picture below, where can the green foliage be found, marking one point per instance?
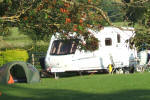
(141, 40)
(13, 55)
(39, 51)
(43, 18)
(1, 58)
(139, 13)
(113, 10)
(136, 14)
(91, 44)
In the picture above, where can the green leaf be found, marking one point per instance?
(9, 2)
(46, 15)
(80, 27)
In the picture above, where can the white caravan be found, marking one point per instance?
(143, 61)
(113, 49)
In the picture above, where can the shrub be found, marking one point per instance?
(1, 58)
(39, 51)
(38, 48)
(13, 55)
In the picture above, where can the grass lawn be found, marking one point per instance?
(89, 87)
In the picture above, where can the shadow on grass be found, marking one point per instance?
(19, 93)
(72, 74)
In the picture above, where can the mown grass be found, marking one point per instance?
(89, 87)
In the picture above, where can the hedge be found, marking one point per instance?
(13, 55)
(37, 48)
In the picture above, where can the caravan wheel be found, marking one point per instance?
(119, 71)
(44, 74)
(126, 70)
(132, 69)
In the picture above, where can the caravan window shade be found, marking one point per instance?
(108, 41)
(118, 38)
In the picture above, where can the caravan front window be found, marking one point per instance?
(63, 47)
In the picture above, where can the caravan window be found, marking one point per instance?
(118, 38)
(108, 42)
(63, 47)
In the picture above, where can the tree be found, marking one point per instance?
(46, 17)
(114, 10)
(138, 12)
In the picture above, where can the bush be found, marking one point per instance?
(38, 48)
(39, 52)
(13, 55)
(1, 58)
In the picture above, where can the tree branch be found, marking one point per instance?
(15, 17)
(102, 13)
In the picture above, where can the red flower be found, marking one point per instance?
(74, 29)
(81, 21)
(68, 20)
(61, 10)
(25, 18)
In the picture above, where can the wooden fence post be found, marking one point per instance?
(33, 59)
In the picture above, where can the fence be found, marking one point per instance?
(35, 56)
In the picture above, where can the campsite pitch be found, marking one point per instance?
(89, 87)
